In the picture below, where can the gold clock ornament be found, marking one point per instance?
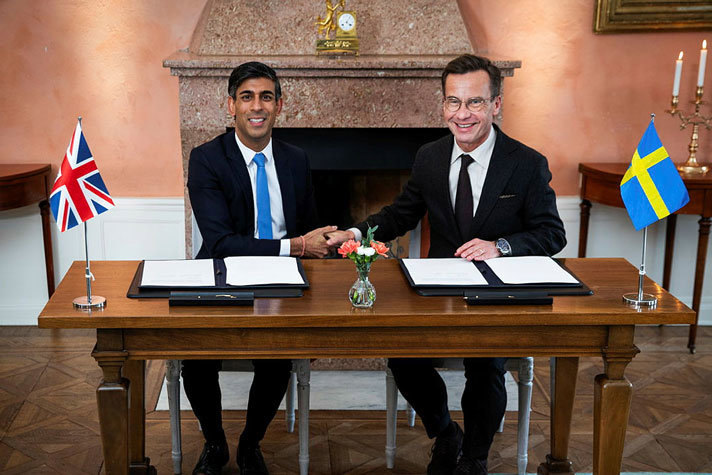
(343, 23)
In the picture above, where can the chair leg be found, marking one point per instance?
(391, 418)
(526, 376)
(303, 375)
(411, 415)
(289, 403)
(173, 389)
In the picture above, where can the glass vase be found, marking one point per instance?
(362, 293)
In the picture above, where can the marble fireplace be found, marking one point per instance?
(341, 109)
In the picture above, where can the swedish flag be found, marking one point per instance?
(652, 188)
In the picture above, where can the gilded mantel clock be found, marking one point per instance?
(343, 23)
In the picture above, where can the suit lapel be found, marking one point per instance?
(500, 169)
(441, 180)
(286, 185)
(242, 178)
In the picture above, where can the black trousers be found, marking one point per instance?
(483, 401)
(200, 381)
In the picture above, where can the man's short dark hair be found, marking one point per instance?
(468, 63)
(252, 70)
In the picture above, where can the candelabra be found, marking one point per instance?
(691, 166)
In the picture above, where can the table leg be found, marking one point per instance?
(669, 248)
(134, 371)
(704, 234)
(47, 239)
(112, 397)
(611, 408)
(563, 389)
(583, 227)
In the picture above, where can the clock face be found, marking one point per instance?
(347, 21)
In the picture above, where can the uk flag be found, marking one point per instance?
(79, 193)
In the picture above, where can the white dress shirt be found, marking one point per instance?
(477, 171)
(279, 226)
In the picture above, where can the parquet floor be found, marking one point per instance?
(48, 417)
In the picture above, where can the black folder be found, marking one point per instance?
(136, 290)
(495, 285)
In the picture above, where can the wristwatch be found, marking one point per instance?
(503, 247)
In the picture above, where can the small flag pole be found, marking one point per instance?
(641, 299)
(87, 302)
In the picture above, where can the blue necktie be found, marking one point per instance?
(264, 214)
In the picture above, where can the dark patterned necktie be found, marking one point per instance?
(464, 207)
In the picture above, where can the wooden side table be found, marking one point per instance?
(600, 183)
(22, 185)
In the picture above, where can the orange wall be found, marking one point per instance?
(585, 97)
(578, 97)
(101, 60)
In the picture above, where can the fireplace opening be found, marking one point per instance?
(356, 171)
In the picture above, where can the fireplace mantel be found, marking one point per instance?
(394, 82)
(185, 63)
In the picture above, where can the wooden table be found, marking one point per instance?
(322, 324)
(22, 185)
(600, 183)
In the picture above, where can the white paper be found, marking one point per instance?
(530, 270)
(450, 271)
(179, 273)
(258, 270)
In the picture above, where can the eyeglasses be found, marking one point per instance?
(474, 104)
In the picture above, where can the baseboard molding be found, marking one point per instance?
(20, 314)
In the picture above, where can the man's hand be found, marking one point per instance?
(314, 243)
(336, 238)
(477, 250)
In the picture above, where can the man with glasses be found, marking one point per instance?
(486, 195)
(251, 196)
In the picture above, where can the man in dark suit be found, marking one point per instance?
(486, 196)
(251, 195)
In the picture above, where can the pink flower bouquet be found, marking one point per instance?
(363, 253)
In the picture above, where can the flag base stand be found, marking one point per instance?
(640, 300)
(97, 301)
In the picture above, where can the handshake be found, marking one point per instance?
(319, 242)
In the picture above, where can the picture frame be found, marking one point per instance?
(626, 16)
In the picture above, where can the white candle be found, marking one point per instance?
(703, 63)
(678, 75)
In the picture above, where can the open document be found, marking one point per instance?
(179, 273)
(262, 270)
(450, 271)
(530, 270)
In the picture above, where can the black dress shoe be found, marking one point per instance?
(471, 466)
(250, 460)
(214, 457)
(445, 451)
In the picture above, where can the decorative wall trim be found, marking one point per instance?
(152, 228)
(138, 228)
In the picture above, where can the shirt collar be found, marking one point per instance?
(248, 154)
(481, 154)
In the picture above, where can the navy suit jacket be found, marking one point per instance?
(221, 196)
(517, 202)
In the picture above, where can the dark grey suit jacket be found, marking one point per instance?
(517, 202)
(221, 196)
